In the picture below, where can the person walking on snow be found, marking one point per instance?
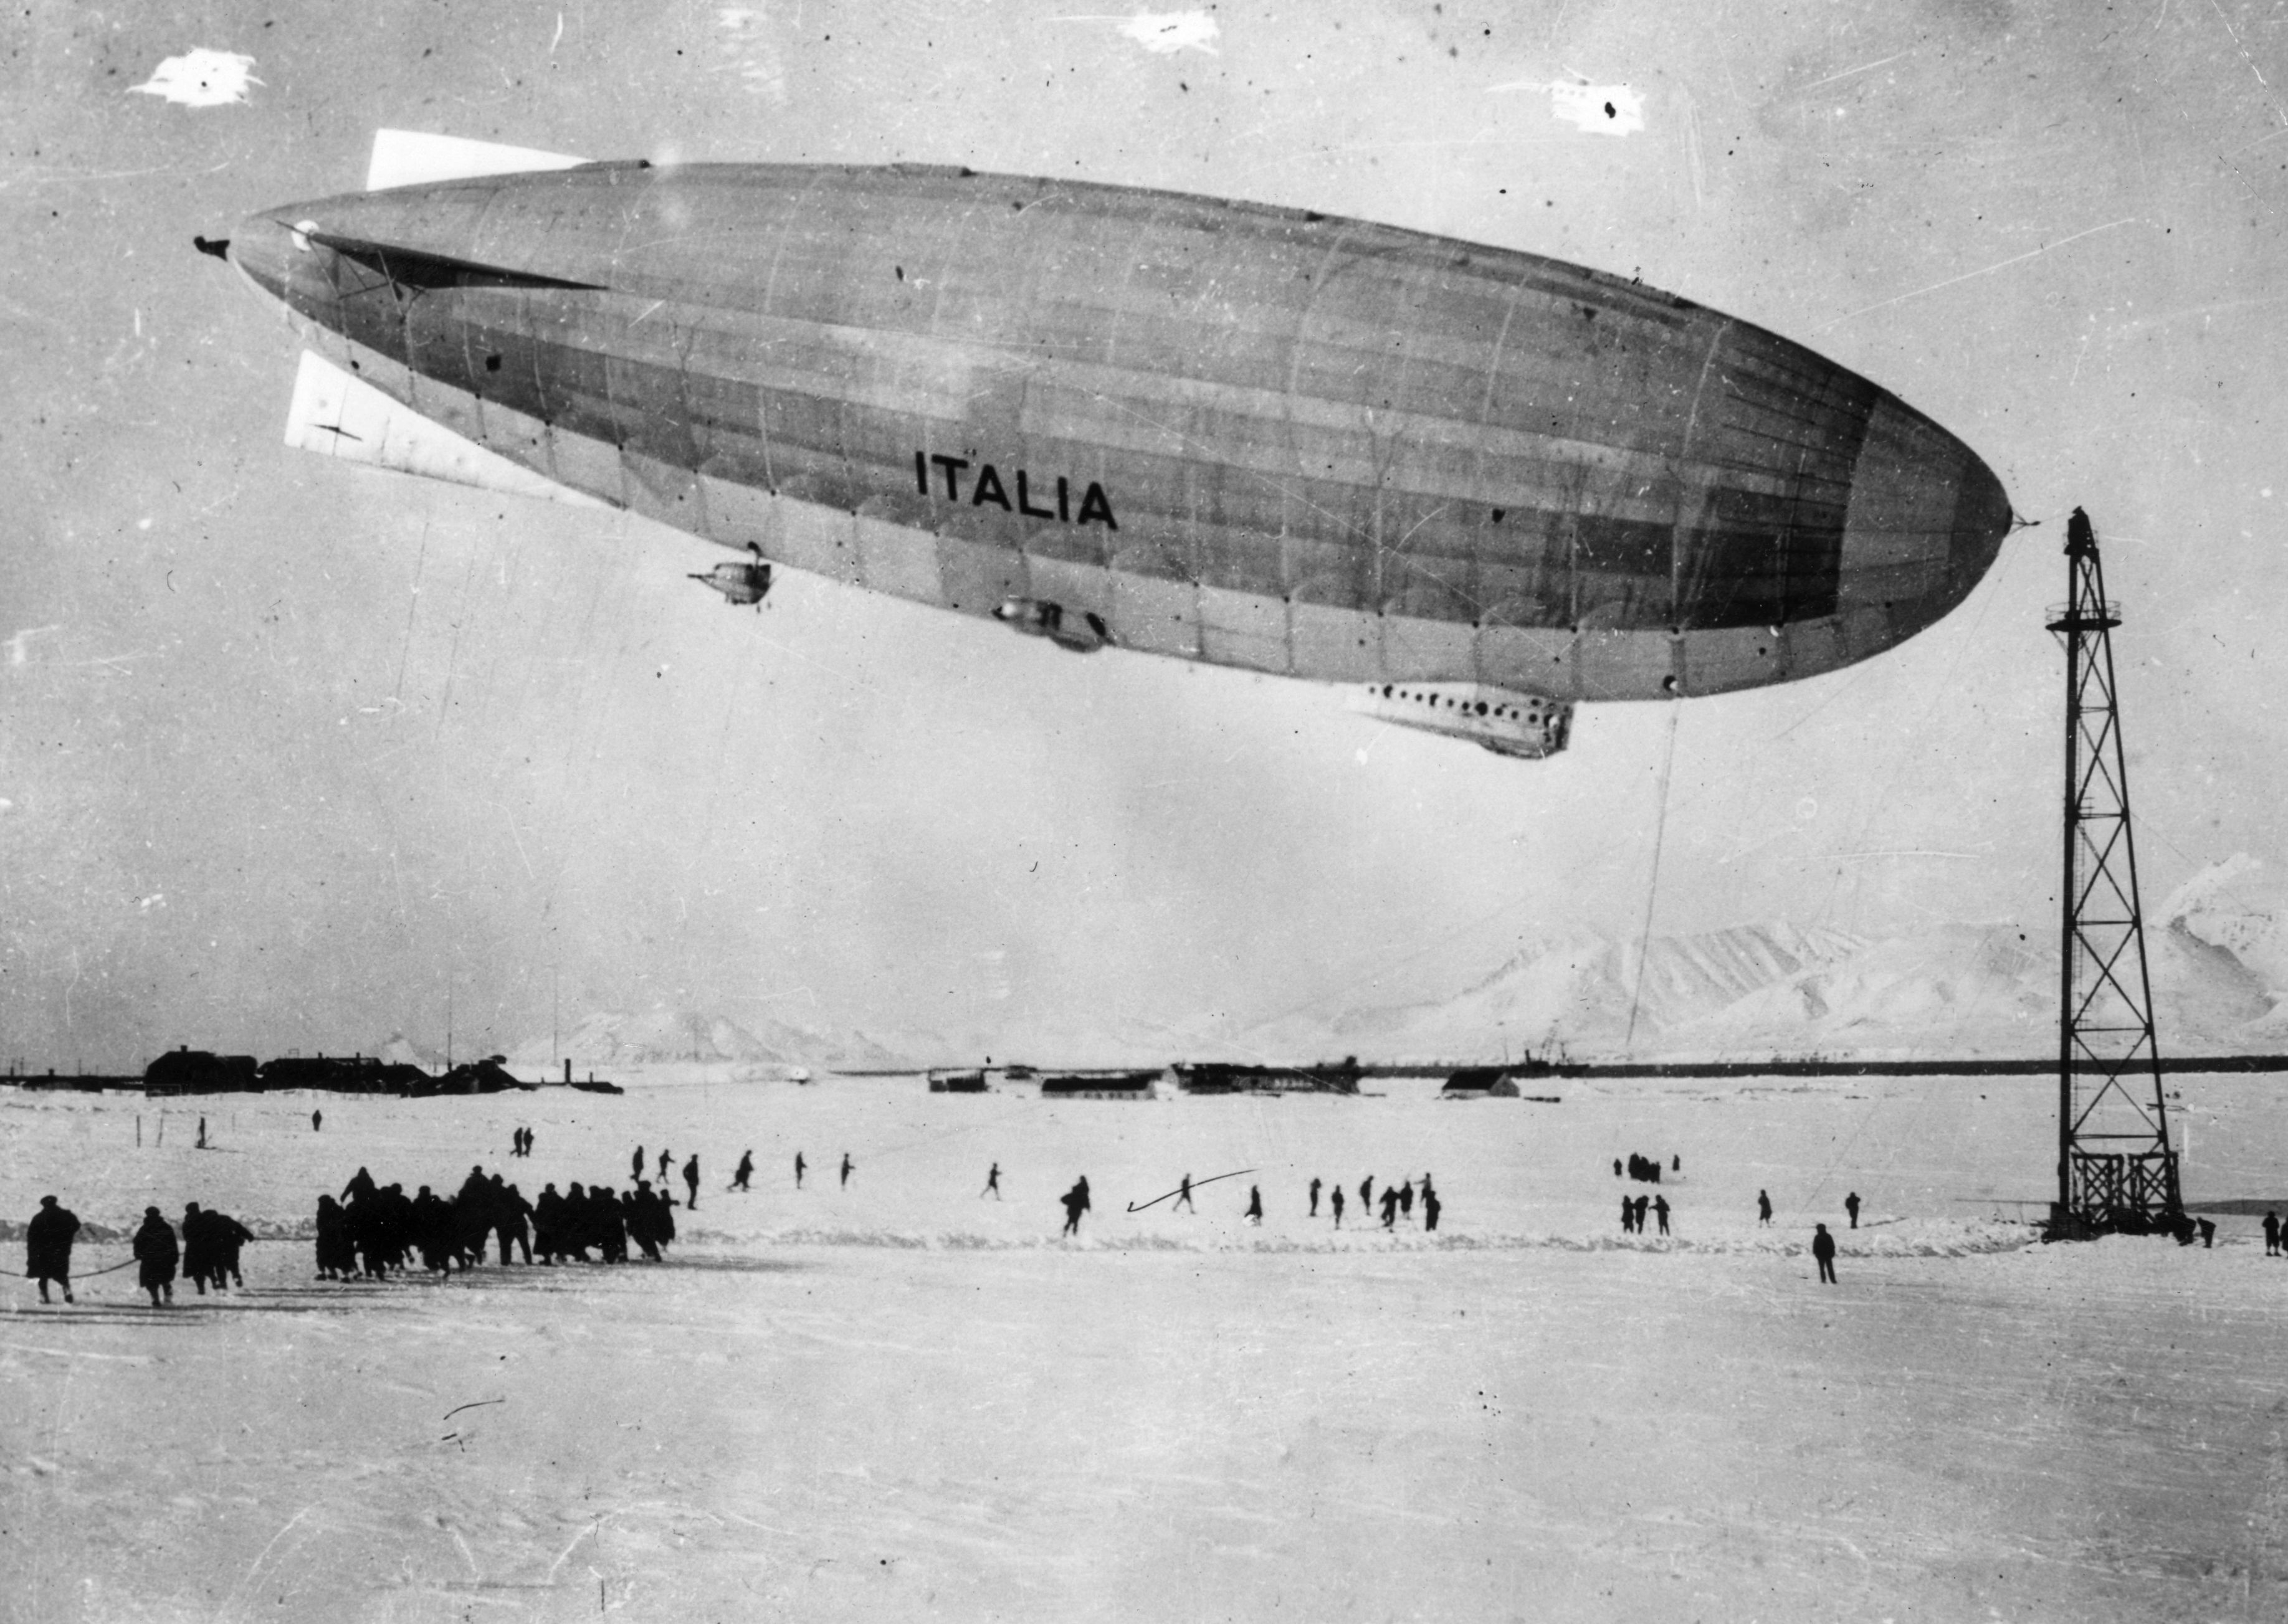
(48, 1245)
(1255, 1206)
(1076, 1201)
(1184, 1194)
(746, 1170)
(1823, 1249)
(1315, 1197)
(847, 1165)
(157, 1254)
(798, 1165)
(691, 1181)
(2271, 1235)
(1763, 1207)
(992, 1182)
(1851, 1205)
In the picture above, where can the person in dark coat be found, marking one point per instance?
(798, 1165)
(1822, 1248)
(1644, 1205)
(2271, 1235)
(361, 1184)
(1660, 1214)
(643, 1219)
(1431, 1205)
(337, 1258)
(636, 1164)
(666, 1159)
(48, 1246)
(691, 1183)
(1255, 1206)
(225, 1236)
(1366, 1193)
(1335, 1204)
(1389, 1208)
(1406, 1199)
(512, 1215)
(1851, 1205)
(156, 1254)
(1315, 1197)
(1763, 1207)
(847, 1165)
(197, 1250)
(317, 1120)
(1184, 1194)
(992, 1182)
(746, 1170)
(1076, 1201)
(1628, 1216)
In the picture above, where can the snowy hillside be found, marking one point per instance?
(604, 1041)
(2217, 950)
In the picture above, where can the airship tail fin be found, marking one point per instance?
(415, 158)
(336, 414)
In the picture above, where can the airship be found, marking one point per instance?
(1476, 486)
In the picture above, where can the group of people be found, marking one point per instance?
(1634, 1208)
(1646, 1170)
(690, 1173)
(205, 1254)
(375, 1231)
(520, 1142)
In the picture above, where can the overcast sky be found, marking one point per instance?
(289, 751)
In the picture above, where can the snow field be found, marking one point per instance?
(901, 1399)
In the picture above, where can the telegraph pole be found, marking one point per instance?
(2116, 1169)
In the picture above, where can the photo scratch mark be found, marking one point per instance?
(201, 78)
(1998, 264)
(1864, 68)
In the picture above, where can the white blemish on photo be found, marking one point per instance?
(1600, 109)
(1164, 33)
(201, 79)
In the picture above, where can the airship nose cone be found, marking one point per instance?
(1981, 519)
(262, 248)
(1926, 519)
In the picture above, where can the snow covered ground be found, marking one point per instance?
(899, 1399)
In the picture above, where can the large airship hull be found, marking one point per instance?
(1244, 435)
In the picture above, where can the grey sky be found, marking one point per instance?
(290, 748)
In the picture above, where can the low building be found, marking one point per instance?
(1100, 1085)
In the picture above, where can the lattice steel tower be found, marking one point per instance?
(2116, 1168)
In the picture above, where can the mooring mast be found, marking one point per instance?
(2116, 1168)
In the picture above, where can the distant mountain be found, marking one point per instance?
(603, 1039)
(2217, 951)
